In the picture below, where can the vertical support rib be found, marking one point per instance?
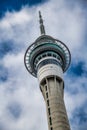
(52, 89)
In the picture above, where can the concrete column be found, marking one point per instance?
(53, 89)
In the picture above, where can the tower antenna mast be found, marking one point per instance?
(42, 28)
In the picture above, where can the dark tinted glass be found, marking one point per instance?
(47, 61)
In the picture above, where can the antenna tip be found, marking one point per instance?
(39, 13)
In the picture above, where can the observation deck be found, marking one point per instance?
(46, 50)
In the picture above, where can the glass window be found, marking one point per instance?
(48, 61)
(47, 95)
(49, 54)
(44, 55)
(48, 102)
(39, 58)
(50, 121)
(54, 55)
(51, 128)
(46, 87)
(49, 111)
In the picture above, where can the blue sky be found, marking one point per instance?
(16, 5)
(21, 103)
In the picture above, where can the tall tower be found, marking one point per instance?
(47, 59)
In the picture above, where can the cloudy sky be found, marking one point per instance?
(22, 106)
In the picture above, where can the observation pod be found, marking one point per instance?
(47, 59)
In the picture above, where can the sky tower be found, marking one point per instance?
(47, 59)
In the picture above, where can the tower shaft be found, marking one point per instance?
(53, 89)
(52, 86)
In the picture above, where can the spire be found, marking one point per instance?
(42, 28)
